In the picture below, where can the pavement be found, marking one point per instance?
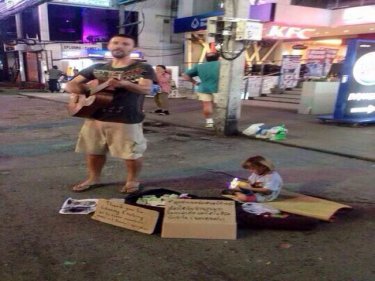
(304, 131)
(38, 168)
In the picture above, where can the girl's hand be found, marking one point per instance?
(243, 184)
(257, 185)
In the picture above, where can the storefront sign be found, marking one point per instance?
(194, 23)
(356, 98)
(288, 32)
(290, 70)
(77, 50)
(105, 54)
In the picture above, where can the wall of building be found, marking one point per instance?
(156, 39)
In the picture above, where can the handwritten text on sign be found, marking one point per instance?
(126, 216)
(200, 211)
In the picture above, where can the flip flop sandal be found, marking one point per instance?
(131, 189)
(85, 187)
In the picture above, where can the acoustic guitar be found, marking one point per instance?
(85, 105)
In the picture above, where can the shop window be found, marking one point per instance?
(90, 25)
(30, 23)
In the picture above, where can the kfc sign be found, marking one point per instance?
(287, 32)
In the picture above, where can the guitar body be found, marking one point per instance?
(85, 107)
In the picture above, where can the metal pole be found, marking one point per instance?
(121, 11)
(20, 53)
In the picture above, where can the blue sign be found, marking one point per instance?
(356, 98)
(194, 23)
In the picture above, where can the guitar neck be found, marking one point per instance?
(99, 88)
(131, 76)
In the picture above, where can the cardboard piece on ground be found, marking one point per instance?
(126, 216)
(232, 197)
(304, 205)
(197, 218)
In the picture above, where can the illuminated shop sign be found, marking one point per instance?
(100, 3)
(288, 32)
(77, 50)
(356, 98)
(105, 54)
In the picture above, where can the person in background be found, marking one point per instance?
(54, 75)
(161, 97)
(208, 73)
(75, 72)
(118, 128)
(264, 183)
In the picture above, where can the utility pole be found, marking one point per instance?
(228, 102)
(21, 61)
(121, 11)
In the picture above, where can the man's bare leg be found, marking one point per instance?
(207, 109)
(133, 167)
(207, 113)
(95, 164)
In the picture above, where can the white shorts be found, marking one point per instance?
(206, 97)
(125, 141)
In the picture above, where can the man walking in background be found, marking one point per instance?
(53, 82)
(208, 73)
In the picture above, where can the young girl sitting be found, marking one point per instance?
(264, 184)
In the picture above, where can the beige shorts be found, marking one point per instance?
(125, 141)
(205, 97)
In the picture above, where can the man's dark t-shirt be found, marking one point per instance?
(127, 106)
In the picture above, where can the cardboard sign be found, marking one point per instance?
(208, 219)
(126, 216)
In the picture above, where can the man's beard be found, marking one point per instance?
(118, 54)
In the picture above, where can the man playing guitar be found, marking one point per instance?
(117, 128)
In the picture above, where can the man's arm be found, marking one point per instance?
(77, 85)
(188, 78)
(143, 87)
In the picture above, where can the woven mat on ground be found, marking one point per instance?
(308, 206)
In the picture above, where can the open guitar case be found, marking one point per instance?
(245, 220)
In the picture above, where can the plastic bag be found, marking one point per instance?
(155, 89)
(278, 133)
(253, 129)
